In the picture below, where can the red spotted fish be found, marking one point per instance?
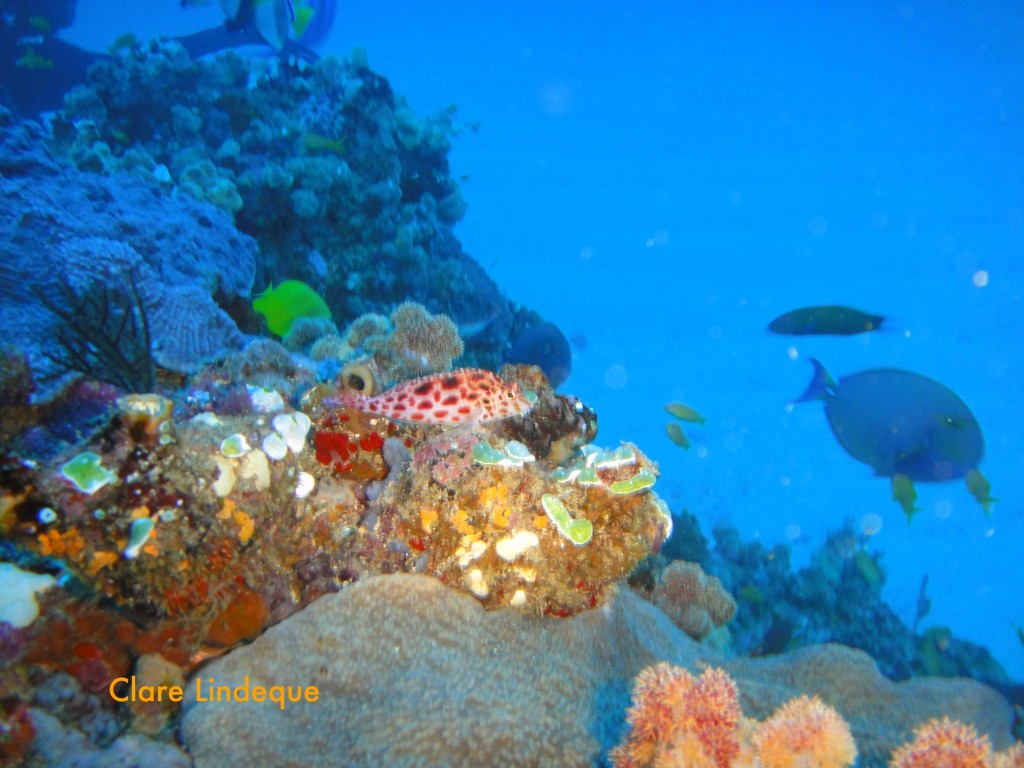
(458, 398)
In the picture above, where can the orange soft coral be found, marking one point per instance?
(651, 718)
(944, 743)
(677, 718)
(1010, 758)
(805, 732)
(681, 721)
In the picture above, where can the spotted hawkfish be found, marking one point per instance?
(458, 398)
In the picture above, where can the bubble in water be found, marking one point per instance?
(616, 376)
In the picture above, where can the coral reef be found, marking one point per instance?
(320, 159)
(205, 522)
(459, 503)
(192, 496)
(543, 693)
(837, 597)
(85, 228)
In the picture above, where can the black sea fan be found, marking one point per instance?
(102, 331)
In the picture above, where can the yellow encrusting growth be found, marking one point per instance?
(246, 525)
(101, 560)
(428, 516)
(462, 524)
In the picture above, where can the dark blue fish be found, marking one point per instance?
(545, 346)
(830, 320)
(905, 426)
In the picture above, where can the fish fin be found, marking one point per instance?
(979, 487)
(273, 20)
(301, 19)
(232, 9)
(903, 492)
(821, 387)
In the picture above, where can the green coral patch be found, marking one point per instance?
(485, 453)
(619, 457)
(235, 446)
(640, 481)
(138, 535)
(579, 531)
(515, 454)
(87, 473)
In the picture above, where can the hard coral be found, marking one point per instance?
(412, 342)
(696, 602)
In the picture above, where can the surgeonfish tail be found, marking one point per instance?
(821, 387)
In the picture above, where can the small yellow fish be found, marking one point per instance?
(677, 436)
(980, 488)
(903, 492)
(685, 413)
(317, 142)
(32, 60)
(41, 24)
(124, 42)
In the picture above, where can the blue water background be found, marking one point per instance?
(664, 182)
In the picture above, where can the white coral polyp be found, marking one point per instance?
(293, 427)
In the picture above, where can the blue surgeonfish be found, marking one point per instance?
(906, 427)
